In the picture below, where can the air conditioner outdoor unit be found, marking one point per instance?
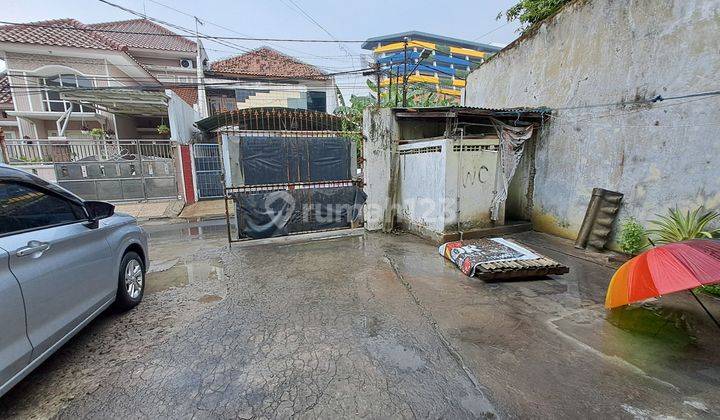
(186, 64)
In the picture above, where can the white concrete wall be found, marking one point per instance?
(429, 184)
(476, 184)
(421, 190)
(181, 117)
(607, 52)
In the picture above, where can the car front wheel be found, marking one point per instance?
(131, 281)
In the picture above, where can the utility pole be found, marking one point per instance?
(390, 87)
(377, 82)
(405, 76)
(200, 67)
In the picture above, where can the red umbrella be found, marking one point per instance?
(666, 269)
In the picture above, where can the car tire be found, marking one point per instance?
(131, 282)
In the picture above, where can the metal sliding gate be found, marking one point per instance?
(289, 172)
(208, 170)
(109, 170)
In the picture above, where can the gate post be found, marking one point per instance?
(187, 173)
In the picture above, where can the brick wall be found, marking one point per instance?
(187, 175)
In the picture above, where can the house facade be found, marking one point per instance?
(125, 83)
(46, 60)
(265, 77)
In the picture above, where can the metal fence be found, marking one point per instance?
(208, 170)
(112, 170)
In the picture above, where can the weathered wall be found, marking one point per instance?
(380, 134)
(608, 52)
(477, 166)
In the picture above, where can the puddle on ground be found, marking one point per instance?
(187, 230)
(175, 276)
(669, 325)
(659, 340)
(182, 274)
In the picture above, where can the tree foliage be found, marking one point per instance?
(418, 95)
(530, 12)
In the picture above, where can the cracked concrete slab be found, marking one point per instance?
(371, 326)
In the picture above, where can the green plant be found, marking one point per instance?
(163, 129)
(713, 289)
(677, 226)
(632, 236)
(530, 12)
(97, 133)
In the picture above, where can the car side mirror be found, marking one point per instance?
(99, 209)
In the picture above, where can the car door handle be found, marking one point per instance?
(32, 247)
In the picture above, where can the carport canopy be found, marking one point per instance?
(121, 101)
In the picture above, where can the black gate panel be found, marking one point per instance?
(277, 160)
(283, 212)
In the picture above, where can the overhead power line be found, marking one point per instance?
(195, 33)
(202, 36)
(489, 32)
(185, 13)
(149, 66)
(248, 76)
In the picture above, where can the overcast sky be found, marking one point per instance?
(354, 20)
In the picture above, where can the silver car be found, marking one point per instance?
(62, 262)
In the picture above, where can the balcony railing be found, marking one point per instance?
(24, 152)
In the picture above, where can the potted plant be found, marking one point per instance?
(97, 133)
(163, 130)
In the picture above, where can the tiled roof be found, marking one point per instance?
(57, 32)
(124, 36)
(189, 95)
(266, 62)
(5, 94)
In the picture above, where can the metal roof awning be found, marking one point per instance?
(120, 101)
(529, 114)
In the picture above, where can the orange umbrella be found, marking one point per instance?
(666, 269)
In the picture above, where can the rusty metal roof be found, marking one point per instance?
(460, 111)
(272, 119)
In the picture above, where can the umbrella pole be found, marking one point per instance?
(706, 309)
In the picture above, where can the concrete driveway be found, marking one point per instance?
(373, 326)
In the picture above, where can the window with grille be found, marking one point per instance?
(51, 98)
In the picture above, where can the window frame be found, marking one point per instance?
(311, 101)
(61, 79)
(49, 192)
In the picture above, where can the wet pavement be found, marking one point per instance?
(374, 326)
